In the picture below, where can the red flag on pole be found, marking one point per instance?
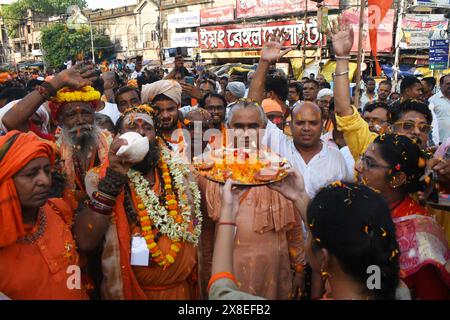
(377, 12)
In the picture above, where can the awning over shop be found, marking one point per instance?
(408, 70)
(330, 67)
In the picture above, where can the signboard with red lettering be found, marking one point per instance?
(216, 15)
(254, 35)
(261, 8)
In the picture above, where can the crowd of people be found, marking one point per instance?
(80, 221)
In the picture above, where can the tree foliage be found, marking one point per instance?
(17, 11)
(60, 43)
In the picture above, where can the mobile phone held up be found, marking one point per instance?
(190, 80)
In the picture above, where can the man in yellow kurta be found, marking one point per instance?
(411, 117)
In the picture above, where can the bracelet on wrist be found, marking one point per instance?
(104, 198)
(342, 57)
(341, 73)
(227, 223)
(112, 183)
(98, 208)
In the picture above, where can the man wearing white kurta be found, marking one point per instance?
(320, 163)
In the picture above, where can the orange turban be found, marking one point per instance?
(271, 105)
(16, 150)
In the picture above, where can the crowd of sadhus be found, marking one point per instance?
(80, 221)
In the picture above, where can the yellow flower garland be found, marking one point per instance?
(86, 94)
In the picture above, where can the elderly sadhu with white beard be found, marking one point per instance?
(73, 102)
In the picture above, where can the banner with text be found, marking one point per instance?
(183, 20)
(432, 3)
(385, 30)
(217, 15)
(186, 39)
(417, 29)
(255, 35)
(261, 8)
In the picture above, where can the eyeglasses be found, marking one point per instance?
(411, 125)
(374, 121)
(369, 163)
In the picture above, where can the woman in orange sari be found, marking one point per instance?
(38, 257)
(394, 165)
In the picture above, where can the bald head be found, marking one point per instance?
(306, 106)
(306, 125)
(110, 81)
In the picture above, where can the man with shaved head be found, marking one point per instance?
(319, 163)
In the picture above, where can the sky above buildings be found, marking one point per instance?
(95, 4)
(108, 4)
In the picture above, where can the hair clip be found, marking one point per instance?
(398, 167)
(383, 232)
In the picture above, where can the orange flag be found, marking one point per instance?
(377, 12)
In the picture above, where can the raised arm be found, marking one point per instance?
(270, 54)
(226, 229)
(17, 117)
(342, 39)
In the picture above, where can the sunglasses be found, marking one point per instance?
(411, 125)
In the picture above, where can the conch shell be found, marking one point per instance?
(136, 149)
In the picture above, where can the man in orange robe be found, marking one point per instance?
(118, 215)
(38, 257)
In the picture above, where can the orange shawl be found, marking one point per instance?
(16, 150)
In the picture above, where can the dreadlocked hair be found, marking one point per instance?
(354, 224)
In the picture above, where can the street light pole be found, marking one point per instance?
(92, 43)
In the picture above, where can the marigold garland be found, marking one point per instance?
(174, 219)
(86, 94)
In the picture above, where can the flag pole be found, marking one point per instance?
(362, 8)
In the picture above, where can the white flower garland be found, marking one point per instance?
(158, 214)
